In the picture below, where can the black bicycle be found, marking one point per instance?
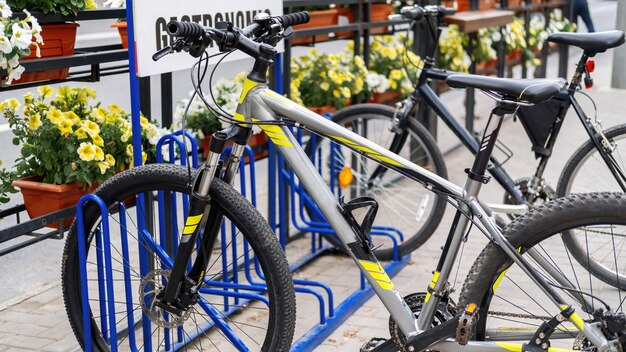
(597, 165)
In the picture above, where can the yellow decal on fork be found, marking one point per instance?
(191, 224)
(378, 273)
(517, 347)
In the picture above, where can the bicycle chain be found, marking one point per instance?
(520, 315)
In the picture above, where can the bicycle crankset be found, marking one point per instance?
(446, 310)
(149, 288)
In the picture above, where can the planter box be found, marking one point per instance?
(122, 27)
(322, 18)
(44, 198)
(464, 5)
(384, 97)
(59, 40)
(380, 12)
(321, 110)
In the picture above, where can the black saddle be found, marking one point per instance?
(528, 90)
(591, 43)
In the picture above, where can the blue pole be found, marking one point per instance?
(134, 84)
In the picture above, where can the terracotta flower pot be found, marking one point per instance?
(122, 27)
(464, 5)
(345, 16)
(59, 40)
(384, 97)
(44, 198)
(380, 12)
(258, 143)
(321, 110)
(322, 18)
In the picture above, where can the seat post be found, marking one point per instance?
(490, 136)
(580, 69)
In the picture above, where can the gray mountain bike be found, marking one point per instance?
(521, 294)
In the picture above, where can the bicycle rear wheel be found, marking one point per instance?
(405, 207)
(511, 306)
(586, 171)
(247, 301)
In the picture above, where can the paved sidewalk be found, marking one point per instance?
(39, 322)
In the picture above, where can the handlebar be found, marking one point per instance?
(256, 40)
(417, 13)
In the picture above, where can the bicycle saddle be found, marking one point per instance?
(591, 43)
(529, 90)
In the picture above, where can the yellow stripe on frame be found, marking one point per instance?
(194, 220)
(378, 273)
(189, 229)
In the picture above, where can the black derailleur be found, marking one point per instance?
(446, 311)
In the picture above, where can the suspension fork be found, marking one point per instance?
(204, 220)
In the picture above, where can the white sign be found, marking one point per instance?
(152, 16)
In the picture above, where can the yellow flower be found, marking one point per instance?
(109, 159)
(14, 104)
(97, 140)
(336, 93)
(34, 121)
(46, 91)
(241, 77)
(395, 74)
(91, 128)
(90, 5)
(70, 115)
(345, 91)
(144, 121)
(55, 116)
(99, 114)
(80, 133)
(325, 86)
(86, 151)
(28, 98)
(65, 127)
(4, 105)
(103, 167)
(128, 132)
(99, 156)
(144, 157)
(64, 92)
(129, 150)
(115, 108)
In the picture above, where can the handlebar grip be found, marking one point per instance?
(447, 11)
(185, 29)
(293, 19)
(412, 13)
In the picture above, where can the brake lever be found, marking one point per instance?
(176, 47)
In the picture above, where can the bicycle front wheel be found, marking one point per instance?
(512, 306)
(408, 213)
(586, 171)
(247, 301)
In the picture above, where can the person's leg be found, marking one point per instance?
(581, 8)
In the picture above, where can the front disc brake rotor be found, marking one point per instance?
(150, 286)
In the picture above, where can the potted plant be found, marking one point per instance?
(16, 41)
(388, 78)
(326, 82)
(203, 122)
(59, 38)
(69, 145)
(120, 24)
(6, 177)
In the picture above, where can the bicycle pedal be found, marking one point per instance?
(466, 324)
(379, 344)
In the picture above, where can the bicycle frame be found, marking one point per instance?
(259, 105)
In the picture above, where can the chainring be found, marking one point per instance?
(150, 286)
(445, 310)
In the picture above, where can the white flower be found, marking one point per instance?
(3, 61)
(15, 73)
(21, 37)
(5, 45)
(36, 28)
(14, 61)
(5, 10)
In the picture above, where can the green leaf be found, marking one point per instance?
(16, 141)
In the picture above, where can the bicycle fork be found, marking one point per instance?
(202, 220)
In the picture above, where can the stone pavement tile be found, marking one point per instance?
(65, 344)
(24, 342)
(10, 327)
